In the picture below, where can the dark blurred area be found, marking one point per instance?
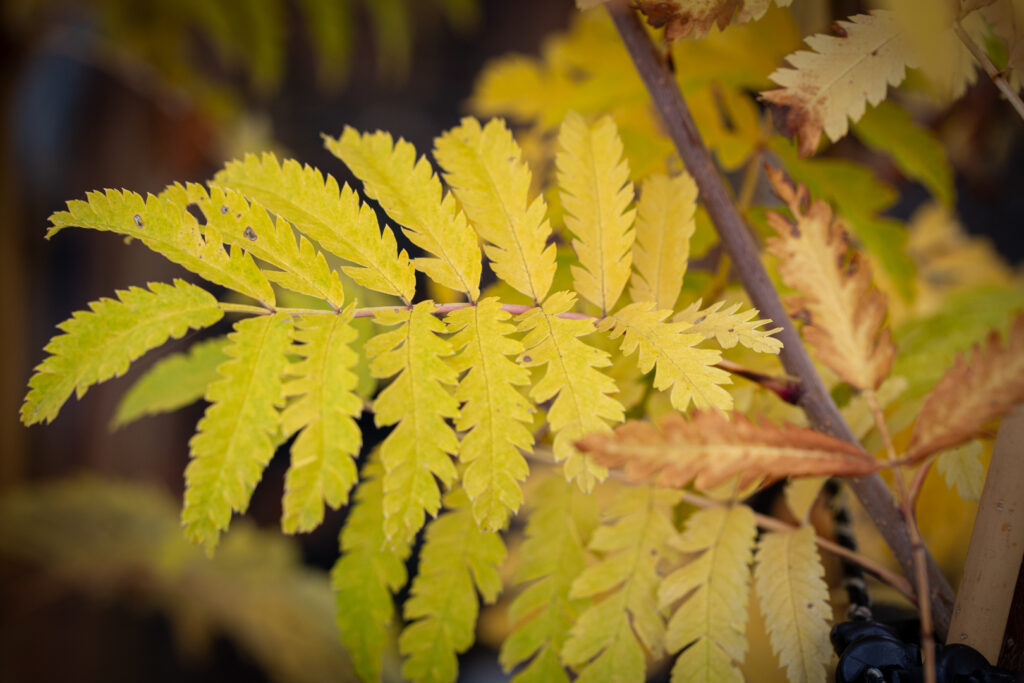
(78, 116)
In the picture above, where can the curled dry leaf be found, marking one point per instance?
(712, 447)
(844, 312)
(683, 17)
(972, 393)
(844, 72)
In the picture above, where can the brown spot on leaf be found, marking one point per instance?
(138, 220)
(249, 233)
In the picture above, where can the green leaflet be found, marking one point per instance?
(235, 439)
(418, 401)
(101, 343)
(553, 555)
(173, 382)
(580, 391)
(890, 130)
(457, 560)
(332, 217)
(730, 326)
(323, 413)
(166, 227)
(495, 415)
(366, 575)
(711, 618)
(249, 226)
(794, 600)
(607, 642)
(961, 467)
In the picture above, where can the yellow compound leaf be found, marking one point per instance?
(712, 447)
(366, 575)
(417, 401)
(410, 192)
(235, 439)
(845, 312)
(827, 87)
(712, 592)
(582, 402)
(607, 642)
(457, 560)
(696, 17)
(323, 413)
(730, 326)
(102, 342)
(791, 588)
(595, 188)
(332, 217)
(485, 169)
(249, 226)
(495, 415)
(687, 371)
(552, 556)
(666, 219)
(166, 227)
(972, 393)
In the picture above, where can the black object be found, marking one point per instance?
(870, 652)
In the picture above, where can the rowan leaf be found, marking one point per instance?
(975, 391)
(173, 382)
(249, 226)
(791, 588)
(101, 343)
(666, 220)
(712, 447)
(456, 561)
(554, 553)
(825, 88)
(687, 371)
(846, 313)
(712, 592)
(730, 326)
(695, 18)
(235, 439)
(495, 415)
(411, 194)
(366, 575)
(595, 188)
(609, 638)
(417, 401)
(890, 130)
(332, 217)
(484, 167)
(323, 412)
(961, 468)
(582, 403)
(166, 227)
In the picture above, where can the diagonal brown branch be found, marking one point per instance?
(815, 400)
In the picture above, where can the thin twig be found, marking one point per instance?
(920, 561)
(918, 483)
(990, 69)
(815, 400)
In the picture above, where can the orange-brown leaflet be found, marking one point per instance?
(712, 447)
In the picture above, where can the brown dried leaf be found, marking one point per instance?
(683, 17)
(971, 394)
(843, 311)
(712, 447)
(832, 84)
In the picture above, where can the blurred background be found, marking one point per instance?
(96, 582)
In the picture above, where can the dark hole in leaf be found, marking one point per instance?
(249, 233)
